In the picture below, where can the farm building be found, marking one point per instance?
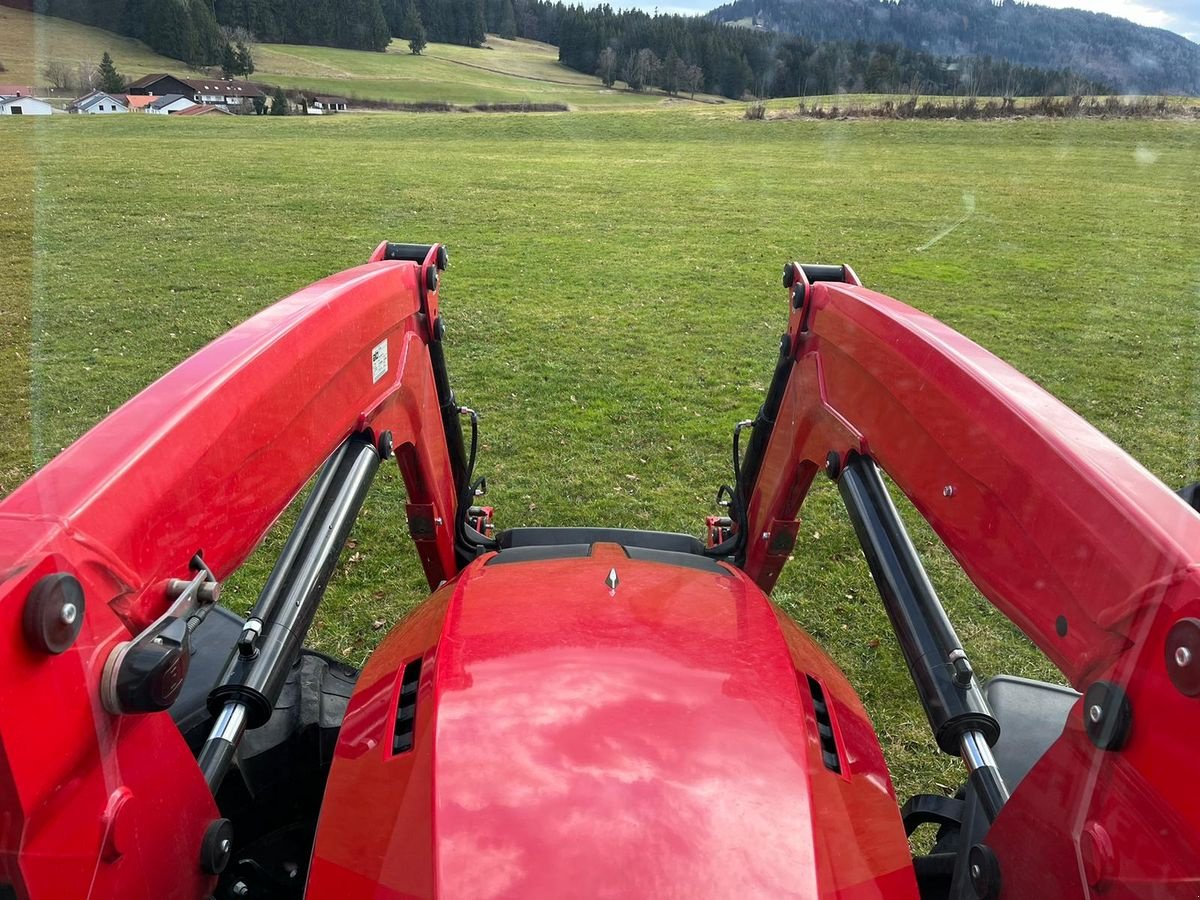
(170, 104)
(98, 103)
(24, 106)
(319, 104)
(204, 109)
(138, 102)
(16, 90)
(210, 91)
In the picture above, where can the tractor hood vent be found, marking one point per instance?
(406, 708)
(829, 747)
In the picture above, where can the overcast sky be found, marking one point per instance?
(1180, 16)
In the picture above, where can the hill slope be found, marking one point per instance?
(29, 41)
(502, 72)
(1133, 58)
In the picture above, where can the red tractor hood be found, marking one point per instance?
(659, 737)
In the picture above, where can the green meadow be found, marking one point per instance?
(501, 72)
(613, 306)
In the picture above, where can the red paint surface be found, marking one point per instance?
(204, 459)
(1048, 518)
(655, 740)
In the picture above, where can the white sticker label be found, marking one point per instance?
(379, 365)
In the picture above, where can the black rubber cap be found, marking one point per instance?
(386, 446)
(54, 613)
(431, 279)
(833, 464)
(789, 275)
(216, 847)
(1182, 651)
(1109, 728)
(984, 871)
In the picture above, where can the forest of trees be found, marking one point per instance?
(676, 53)
(1130, 57)
(190, 30)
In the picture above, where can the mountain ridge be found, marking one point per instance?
(1133, 58)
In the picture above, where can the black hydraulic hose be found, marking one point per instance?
(746, 469)
(467, 538)
(451, 421)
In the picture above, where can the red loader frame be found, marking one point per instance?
(1092, 557)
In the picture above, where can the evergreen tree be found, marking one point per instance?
(507, 27)
(477, 25)
(109, 79)
(230, 66)
(413, 29)
(394, 11)
(279, 103)
(245, 58)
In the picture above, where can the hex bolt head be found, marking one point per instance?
(1183, 656)
(1095, 712)
(239, 889)
(948, 491)
(68, 614)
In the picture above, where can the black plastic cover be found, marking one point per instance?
(626, 537)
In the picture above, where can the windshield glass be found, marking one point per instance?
(619, 191)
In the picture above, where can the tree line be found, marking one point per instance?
(1131, 57)
(671, 52)
(677, 53)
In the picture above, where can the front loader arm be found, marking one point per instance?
(1092, 557)
(201, 462)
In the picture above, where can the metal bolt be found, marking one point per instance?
(226, 845)
(239, 889)
(70, 612)
(1183, 656)
(437, 521)
(948, 491)
(1095, 712)
(766, 535)
(976, 872)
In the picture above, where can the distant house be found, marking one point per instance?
(319, 104)
(138, 102)
(204, 109)
(98, 103)
(210, 91)
(16, 90)
(172, 103)
(24, 106)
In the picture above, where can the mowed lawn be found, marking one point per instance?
(614, 306)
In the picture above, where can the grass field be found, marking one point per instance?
(613, 305)
(502, 72)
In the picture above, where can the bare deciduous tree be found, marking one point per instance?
(606, 66)
(59, 75)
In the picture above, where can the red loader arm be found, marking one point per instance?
(202, 461)
(1075, 542)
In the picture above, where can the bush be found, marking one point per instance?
(756, 110)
